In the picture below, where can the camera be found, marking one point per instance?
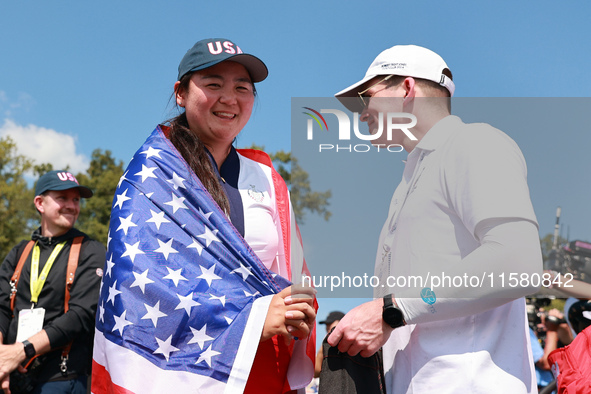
(537, 316)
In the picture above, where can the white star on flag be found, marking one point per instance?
(132, 250)
(120, 323)
(165, 347)
(208, 274)
(175, 276)
(147, 172)
(151, 152)
(121, 198)
(149, 195)
(176, 203)
(122, 179)
(141, 280)
(176, 181)
(109, 238)
(247, 294)
(113, 292)
(110, 265)
(244, 271)
(187, 302)
(153, 313)
(228, 320)
(207, 355)
(196, 245)
(209, 236)
(207, 215)
(157, 219)
(126, 223)
(101, 312)
(199, 336)
(221, 299)
(165, 248)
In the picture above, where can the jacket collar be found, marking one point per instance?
(50, 241)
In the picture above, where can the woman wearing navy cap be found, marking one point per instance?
(201, 297)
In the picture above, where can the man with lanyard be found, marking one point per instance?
(462, 210)
(48, 296)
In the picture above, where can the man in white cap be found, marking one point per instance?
(462, 211)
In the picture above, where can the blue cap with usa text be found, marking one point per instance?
(60, 180)
(211, 51)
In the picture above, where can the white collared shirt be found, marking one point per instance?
(457, 178)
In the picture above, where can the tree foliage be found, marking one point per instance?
(102, 177)
(547, 241)
(17, 212)
(303, 198)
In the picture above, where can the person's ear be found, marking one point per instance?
(409, 86)
(38, 201)
(179, 94)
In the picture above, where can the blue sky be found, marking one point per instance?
(78, 76)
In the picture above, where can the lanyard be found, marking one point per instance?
(37, 281)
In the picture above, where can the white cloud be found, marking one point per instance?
(45, 146)
(23, 103)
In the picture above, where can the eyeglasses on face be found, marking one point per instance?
(365, 99)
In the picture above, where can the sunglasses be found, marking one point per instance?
(365, 99)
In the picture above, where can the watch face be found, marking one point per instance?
(29, 350)
(393, 317)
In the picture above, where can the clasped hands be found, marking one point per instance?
(291, 314)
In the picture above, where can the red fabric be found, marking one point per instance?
(269, 370)
(101, 381)
(571, 365)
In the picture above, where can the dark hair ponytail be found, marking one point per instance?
(193, 151)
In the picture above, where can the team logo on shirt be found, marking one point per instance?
(428, 295)
(255, 194)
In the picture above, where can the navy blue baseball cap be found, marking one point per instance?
(211, 51)
(60, 180)
(332, 317)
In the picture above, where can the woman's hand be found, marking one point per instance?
(291, 314)
(301, 314)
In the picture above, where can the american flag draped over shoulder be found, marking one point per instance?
(182, 300)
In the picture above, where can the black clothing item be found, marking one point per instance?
(61, 328)
(344, 374)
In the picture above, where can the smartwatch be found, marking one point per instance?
(391, 314)
(30, 351)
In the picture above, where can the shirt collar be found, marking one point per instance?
(230, 169)
(439, 133)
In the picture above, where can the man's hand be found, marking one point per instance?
(11, 356)
(362, 330)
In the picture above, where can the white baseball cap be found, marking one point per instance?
(404, 60)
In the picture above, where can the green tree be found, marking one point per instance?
(40, 169)
(18, 216)
(547, 243)
(303, 198)
(102, 177)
